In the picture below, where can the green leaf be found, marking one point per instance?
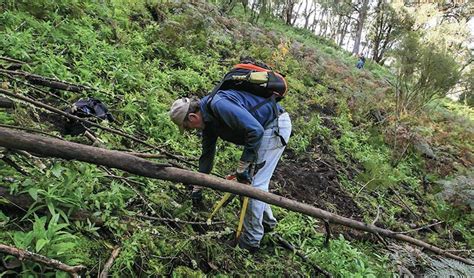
(3, 219)
(33, 193)
(40, 244)
(57, 170)
(51, 208)
(64, 247)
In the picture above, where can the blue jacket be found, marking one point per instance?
(231, 120)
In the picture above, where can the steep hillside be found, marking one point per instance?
(349, 154)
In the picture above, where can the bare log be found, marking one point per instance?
(110, 261)
(72, 151)
(23, 254)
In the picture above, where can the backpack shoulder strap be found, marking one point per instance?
(211, 97)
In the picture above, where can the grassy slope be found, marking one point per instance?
(141, 58)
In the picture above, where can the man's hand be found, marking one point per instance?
(243, 172)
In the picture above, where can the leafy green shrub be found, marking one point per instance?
(419, 78)
(48, 238)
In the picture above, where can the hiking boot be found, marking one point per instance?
(251, 249)
(267, 228)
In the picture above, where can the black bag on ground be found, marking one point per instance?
(89, 108)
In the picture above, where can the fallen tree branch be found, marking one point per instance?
(111, 130)
(48, 82)
(404, 203)
(23, 254)
(72, 151)
(43, 92)
(421, 228)
(15, 166)
(179, 221)
(110, 261)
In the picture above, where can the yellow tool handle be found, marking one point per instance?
(218, 206)
(242, 216)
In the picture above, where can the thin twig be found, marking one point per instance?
(362, 188)
(124, 179)
(377, 216)
(110, 261)
(23, 254)
(460, 251)
(404, 204)
(96, 142)
(420, 228)
(176, 220)
(11, 60)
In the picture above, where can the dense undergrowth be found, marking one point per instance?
(144, 54)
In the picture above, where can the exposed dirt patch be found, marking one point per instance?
(313, 182)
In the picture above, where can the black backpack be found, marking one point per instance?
(255, 78)
(90, 108)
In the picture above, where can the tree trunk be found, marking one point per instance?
(114, 159)
(296, 14)
(308, 11)
(384, 46)
(343, 31)
(360, 25)
(379, 22)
